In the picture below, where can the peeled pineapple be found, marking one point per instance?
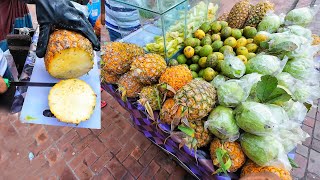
(69, 55)
(72, 101)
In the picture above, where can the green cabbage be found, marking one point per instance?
(232, 67)
(300, 68)
(296, 111)
(222, 124)
(231, 93)
(260, 149)
(259, 119)
(218, 80)
(263, 64)
(270, 23)
(301, 16)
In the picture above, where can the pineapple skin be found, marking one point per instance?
(62, 40)
(198, 98)
(130, 84)
(117, 56)
(258, 12)
(72, 101)
(223, 17)
(250, 167)
(239, 14)
(201, 134)
(176, 77)
(109, 77)
(234, 150)
(148, 68)
(165, 112)
(150, 94)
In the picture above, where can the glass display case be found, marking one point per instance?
(160, 26)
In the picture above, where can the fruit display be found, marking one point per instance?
(238, 92)
(69, 55)
(175, 34)
(72, 101)
(129, 85)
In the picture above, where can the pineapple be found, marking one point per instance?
(129, 86)
(148, 68)
(117, 56)
(176, 77)
(69, 55)
(233, 151)
(239, 14)
(150, 98)
(258, 12)
(165, 112)
(109, 77)
(223, 17)
(316, 39)
(195, 100)
(201, 134)
(250, 167)
(72, 101)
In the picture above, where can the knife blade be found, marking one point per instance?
(24, 83)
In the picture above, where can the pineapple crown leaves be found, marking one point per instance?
(123, 93)
(166, 87)
(224, 161)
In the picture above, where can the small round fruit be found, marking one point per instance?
(243, 58)
(193, 42)
(252, 47)
(260, 38)
(250, 40)
(225, 49)
(242, 51)
(205, 50)
(250, 55)
(230, 41)
(181, 59)
(241, 42)
(236, 33)
(188, 51)
(219, 55)
(226, 32)
(209, 74)
(205, 27)
(194, 67)
(200, 74)
(216, 27)
(200, 34)
(194, 74)
(197, 49)
(195, 59)
(216, 45)
(212, 60)
(206, 41)
(173, 62)
(215, 37)
(223, 24)
(249, 32)
(203, 62)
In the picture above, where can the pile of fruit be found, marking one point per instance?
(239, 94)
(175, 34)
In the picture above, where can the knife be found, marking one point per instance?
(24, 83)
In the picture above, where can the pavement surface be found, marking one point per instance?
(117, 151)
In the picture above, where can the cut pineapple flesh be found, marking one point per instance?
(69, 55)
(72, 101)
(70, 63)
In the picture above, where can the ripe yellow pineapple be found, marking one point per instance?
(258, 12)
(150, 98)
(239, 14)
(165, 112)
(72, 101)
(69, 55)
(250, 167)
(233, 151)
(129, 86)
(176, 77)
(195, 100)
(201, 134)
(148, 68)
(117, 56)
(109, 77)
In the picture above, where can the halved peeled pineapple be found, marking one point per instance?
(69, 55)
(72, 101)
